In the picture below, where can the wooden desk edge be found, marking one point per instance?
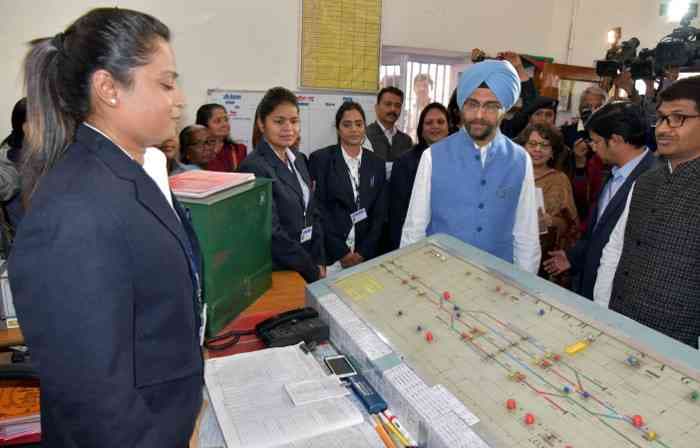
(286, 293)
(13, 336)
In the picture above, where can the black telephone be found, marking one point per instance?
(292, 327)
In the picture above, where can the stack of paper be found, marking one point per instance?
(19, 413)
(250, 394)
(362, 436)
(350, 333)
(433, 413)
(201, 183)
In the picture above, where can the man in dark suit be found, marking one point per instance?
(618, 134)
(387, 142)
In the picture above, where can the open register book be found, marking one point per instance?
(280, 397)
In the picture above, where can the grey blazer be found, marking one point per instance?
(383, 148)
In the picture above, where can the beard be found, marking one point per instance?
(488, 128)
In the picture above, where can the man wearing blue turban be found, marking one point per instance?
(477, 184)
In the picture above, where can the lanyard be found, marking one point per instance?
(200, 310)
(355, 183)
(196, 280)
(305, 205)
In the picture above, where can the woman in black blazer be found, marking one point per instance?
(352, 192)
(297, 235)
(433, 126)
(105, 268)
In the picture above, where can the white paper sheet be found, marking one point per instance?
(361, 436)
(253, 408)
(305, 392)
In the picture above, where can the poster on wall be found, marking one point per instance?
(316, 114)
(340, 44)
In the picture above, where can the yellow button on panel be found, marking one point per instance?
(576, 347)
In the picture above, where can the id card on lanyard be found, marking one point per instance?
(308, 230)
(197, 284)
(307, 233)
(360, 214)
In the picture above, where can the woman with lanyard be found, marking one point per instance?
(352, 192)
(297, 235)
(105, 267)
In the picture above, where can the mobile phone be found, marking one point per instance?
(340, 366)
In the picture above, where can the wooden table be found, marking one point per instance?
(286, 293)
(10, 337)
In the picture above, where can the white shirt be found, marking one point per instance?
(390, 133)
(619, 175)
(526, 241)
(611, 257)
(353, 164)
(304, 188)
(154, 164)
(602, 291)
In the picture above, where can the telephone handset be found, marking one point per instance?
(292, 327)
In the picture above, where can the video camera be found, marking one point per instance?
(618, 58)
(681, 48)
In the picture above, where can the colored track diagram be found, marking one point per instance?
(535, 375)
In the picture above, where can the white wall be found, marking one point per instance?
(245, 44)
(461, 25)
(253, 44)
(638, 18)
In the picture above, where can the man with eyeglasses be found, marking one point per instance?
(591, 99)
(650, 269)
(617, 132)
(477, 184)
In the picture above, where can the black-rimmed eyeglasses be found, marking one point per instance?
(673, 120)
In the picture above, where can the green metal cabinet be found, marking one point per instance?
(234, 228)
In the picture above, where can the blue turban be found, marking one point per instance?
(500, 76)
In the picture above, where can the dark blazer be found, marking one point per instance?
(403, 174)
(385, 150)
(103, 282)
(288, 217)
(585, 255)
(334, 191)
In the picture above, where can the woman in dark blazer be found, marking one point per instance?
(297, 235)
(433, 125)
(105, 268)
(352, 192)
